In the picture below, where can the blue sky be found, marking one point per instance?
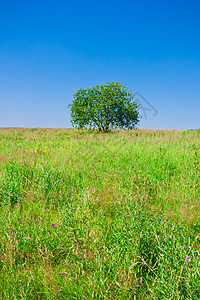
(50, 49)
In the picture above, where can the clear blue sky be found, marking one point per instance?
(50, 49)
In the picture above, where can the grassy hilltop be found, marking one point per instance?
(85, 215)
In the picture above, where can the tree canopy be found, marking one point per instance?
(104, 106)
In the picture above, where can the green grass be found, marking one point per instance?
(126, 208)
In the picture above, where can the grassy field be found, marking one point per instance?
(99, 216)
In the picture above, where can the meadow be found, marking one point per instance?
(87, 215)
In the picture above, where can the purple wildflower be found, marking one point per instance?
(187, 258)
(53, 224)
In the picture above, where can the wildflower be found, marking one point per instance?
(12, 232)
(53, 224)
(187, 258)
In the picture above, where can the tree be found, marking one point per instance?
(103, 107)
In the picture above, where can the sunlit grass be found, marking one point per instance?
(99, 216)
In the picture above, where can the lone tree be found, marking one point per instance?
(103, 107)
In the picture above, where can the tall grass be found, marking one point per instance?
(99, 216)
